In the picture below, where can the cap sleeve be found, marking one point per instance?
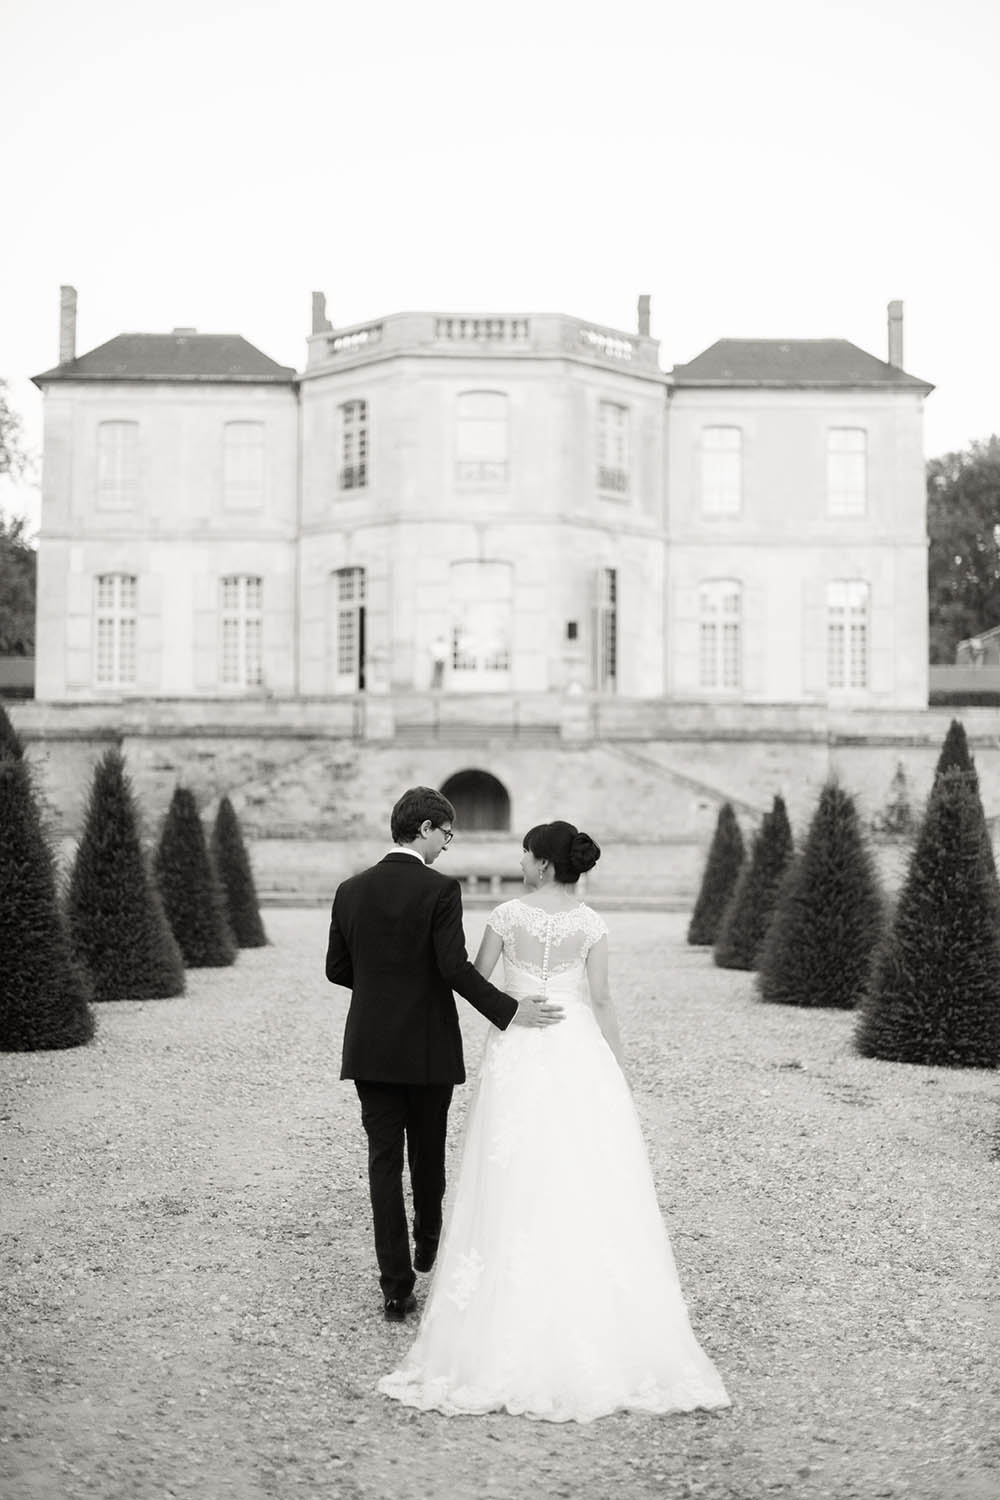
(595, 928)
(499, 920)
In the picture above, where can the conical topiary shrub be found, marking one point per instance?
(192, 896)
(117, 924)
(44, 995)
(233, 865)
(935, 990)
(829, 914)
(956, 756)
(10, 740)
(955, 753)
(722, 869)
(745, 920)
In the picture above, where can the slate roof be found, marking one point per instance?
(791, 362)
(173, 356)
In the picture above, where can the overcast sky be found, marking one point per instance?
(763, 168)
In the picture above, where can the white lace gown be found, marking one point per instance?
(555, 1294)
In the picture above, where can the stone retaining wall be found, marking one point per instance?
(313, 788)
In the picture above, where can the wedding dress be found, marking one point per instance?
(555, 1294)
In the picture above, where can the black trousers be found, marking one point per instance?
(418, 1114)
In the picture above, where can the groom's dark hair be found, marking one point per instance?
(414, 807)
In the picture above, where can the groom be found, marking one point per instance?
(396, 942)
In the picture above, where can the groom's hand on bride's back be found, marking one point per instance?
(535, 1010)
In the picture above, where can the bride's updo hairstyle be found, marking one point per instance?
(570, 852)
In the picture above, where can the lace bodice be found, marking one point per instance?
(545, 944)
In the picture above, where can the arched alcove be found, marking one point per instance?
(480, 801)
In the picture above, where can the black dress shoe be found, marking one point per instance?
(424, 1257)
(396, 1308)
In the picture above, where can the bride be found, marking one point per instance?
(556, 1295)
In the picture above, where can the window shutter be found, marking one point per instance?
(206, 643)
(813, 638)
(684, 651)
(881, 633)
(149, 625)
(754, 641)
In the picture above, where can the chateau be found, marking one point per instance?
(497, 503)
(506, 554)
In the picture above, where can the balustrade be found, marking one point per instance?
(608, 344)
(357, 338)
(482, 330)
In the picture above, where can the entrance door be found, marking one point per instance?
(482, 598)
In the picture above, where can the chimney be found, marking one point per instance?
(67, 324)
(644, 316)
(320, 322)
(896, 335)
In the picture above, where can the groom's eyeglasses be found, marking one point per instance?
(449, 834)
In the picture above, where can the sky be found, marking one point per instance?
(761, 168)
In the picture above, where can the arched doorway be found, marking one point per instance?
(480, 801)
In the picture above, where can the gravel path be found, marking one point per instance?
(189, 1293)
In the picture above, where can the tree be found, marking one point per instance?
(956, 756)
(722, 869)
(935, 990)
(233, 864)
(192, 896)
(829, 914)
(745, 921)
(963, 522)
(118, 927)
(955, 753)
(896, 819)
(14, 458)
(44, 995)
(10, 740)
(17, 590)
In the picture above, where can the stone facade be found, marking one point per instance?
(481, 504)
(177, 535)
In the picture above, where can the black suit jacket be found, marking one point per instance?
(396, 941)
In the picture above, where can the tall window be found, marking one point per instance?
(847, 633)
(115, 629)
(243, 465)
(606, 629)
(846, 471)
(721, 471)
(354, 445)
(612, 448)
(242, 631)
(482, 597)
(349, 644)
(720, 635)
(117, 465)
(481, 438)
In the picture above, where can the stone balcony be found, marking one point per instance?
(461, 335)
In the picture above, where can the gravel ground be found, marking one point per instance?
(189, 1290)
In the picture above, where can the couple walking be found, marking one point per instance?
(555, 1293)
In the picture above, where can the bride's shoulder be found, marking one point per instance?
(593, 921)
(500, 917)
